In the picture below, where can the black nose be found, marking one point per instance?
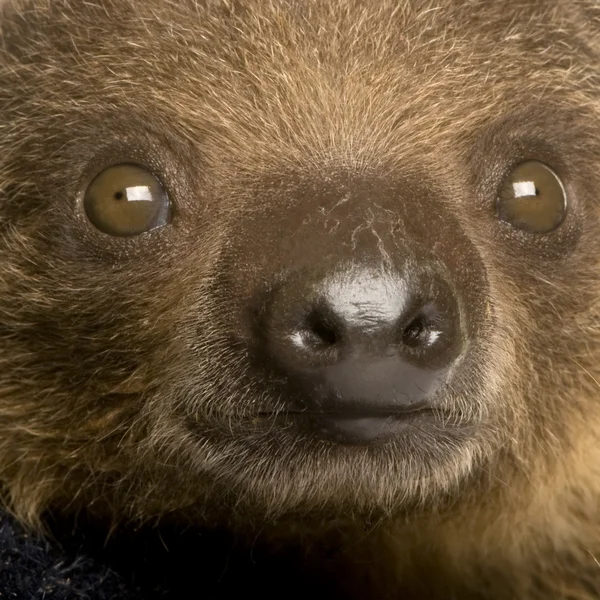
(363, 350)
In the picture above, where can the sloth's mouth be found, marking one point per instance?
(360, 427)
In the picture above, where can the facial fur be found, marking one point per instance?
(128, 383)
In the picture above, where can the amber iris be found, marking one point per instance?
(126, 200)
(532, 198)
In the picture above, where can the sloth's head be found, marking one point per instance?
(294, 256)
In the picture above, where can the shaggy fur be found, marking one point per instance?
(121, 393)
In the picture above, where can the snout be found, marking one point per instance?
(363, 348)
(358, 308)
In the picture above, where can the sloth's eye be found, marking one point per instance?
(126, 200)
(532, 198)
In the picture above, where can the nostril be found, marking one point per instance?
(421, 331)
(319, 332)
(415, 333)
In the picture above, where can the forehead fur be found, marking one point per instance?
(346, 81)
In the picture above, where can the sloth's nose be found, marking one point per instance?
(363, 350)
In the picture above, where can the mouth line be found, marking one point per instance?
(360, 427)
(352, 414)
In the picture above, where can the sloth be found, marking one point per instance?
(319, 274)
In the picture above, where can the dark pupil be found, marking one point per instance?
(119, 196)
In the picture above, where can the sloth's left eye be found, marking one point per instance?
(126, 200)
(532, 198)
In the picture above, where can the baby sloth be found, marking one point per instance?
(327, 271)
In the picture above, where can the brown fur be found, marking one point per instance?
(107, 346)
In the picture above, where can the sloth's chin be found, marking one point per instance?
(291, 462)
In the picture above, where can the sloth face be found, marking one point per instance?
(303, 261)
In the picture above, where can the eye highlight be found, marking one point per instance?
(532, 198)
(126, 200)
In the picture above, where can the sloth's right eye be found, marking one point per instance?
(126, 200)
